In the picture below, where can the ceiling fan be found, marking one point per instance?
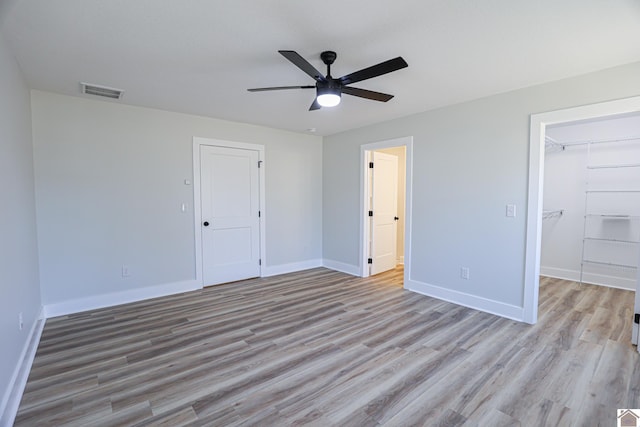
(330, 90)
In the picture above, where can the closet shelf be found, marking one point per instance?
(610, 264)
(590, 142)
(614, 166)
(602, 239)
(552, 145)
(612, 191)
(613, 216)
(552, 214)
(616, 221)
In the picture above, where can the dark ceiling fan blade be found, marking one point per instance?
(368, 94)
(262, 89)
(374, 71)
(315, 105)
(303, 64)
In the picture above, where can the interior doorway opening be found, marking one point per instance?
(385, 208)
(591, 202)
(540, 123)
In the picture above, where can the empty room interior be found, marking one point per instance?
(281, 213)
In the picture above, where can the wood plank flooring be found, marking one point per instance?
(326, 349)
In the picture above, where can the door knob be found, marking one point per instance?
(206, 223)
(395, 218)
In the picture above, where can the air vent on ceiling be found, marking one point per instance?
(107, 92)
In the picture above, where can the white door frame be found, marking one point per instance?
(197, 207)
(539, 122)
(406, 142)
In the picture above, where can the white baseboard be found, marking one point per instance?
(13, 394)
(117, 298)
(342, 267)
(274, 270)
(472, 301)
(591, 278)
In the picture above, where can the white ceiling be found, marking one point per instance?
(200, 56)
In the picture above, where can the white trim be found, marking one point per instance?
(15, 388)
(472, 301)
(590, 278)
(539, 122)
(342, 267)
(197, 207)
(118, 298)
(407, 142)
(274, 270)
(365, 225)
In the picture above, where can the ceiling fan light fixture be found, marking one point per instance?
(329, 90)
(328, 97)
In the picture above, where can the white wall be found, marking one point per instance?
(565, 177)
(110, 182)
(470, 160)
(19, 288)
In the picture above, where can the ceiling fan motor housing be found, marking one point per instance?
(329, 85)
(328, 56)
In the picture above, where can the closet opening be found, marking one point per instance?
(591, 202)
(583, 220)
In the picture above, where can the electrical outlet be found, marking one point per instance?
(464, 273)
(125, 271)
(20, 321)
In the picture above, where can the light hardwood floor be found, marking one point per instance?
(323, 348)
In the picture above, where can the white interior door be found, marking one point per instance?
(230, 201)
(384, 204)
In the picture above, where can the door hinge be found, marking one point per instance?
(636, 318)
(370, 165)
(370, 213)
(259, 163)
(260, 261)
(259, 214)
(370, 261)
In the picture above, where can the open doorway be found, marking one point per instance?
(385, 206)
(541, 125)
(591, 202)
(386, 209)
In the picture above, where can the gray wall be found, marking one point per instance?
(470, 160)
(110, 182)
(19, 287)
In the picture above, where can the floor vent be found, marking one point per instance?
(106, 92)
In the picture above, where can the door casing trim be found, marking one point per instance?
(406, 142)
